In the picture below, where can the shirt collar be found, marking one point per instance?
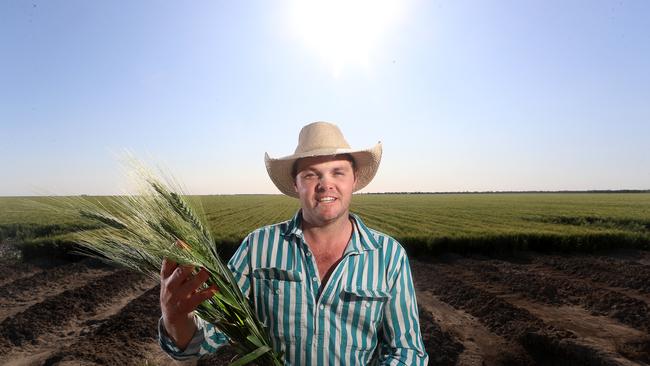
(362, 238)
(293, 226)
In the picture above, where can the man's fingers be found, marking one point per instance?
(200, 296)
(167, 268)
(192, 284)
(179, 276)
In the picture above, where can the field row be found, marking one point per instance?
(540, 309)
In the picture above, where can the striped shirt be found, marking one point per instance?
(366, 313)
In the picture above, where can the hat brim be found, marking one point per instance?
(366, 164)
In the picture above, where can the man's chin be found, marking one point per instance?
(331, 216)
(322, 218)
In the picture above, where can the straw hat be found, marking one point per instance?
(322, 139)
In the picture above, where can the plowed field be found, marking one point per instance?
(532, 309)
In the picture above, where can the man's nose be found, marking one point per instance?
(324, 183)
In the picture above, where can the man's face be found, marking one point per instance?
(325, 185)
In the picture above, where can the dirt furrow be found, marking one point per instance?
(616, 340)
(55, 312)
(547, 287)
(441, 346)
(629, 292)
(13, 271)
(27, 291)
(643, 257)
(77, 328)
(122, 339)
(614, 272)
(480, 346)
(544, 343)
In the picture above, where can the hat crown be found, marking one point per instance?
(320, 135)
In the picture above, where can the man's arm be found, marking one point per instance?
(401, 341)
(191, 336)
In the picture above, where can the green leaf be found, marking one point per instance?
(254, 340)
(251, 356)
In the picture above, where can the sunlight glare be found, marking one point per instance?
(344, 32)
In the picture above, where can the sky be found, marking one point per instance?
(464, 95)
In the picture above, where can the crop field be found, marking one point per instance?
(501, 279)
(423, 223)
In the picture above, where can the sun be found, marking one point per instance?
(344, 33)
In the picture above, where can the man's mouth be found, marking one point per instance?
(326, 199)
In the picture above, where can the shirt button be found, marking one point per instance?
(277, 291)
(322, 307)
(308, 254)
(367, 304)
(315, 279)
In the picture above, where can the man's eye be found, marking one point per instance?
(309, 175)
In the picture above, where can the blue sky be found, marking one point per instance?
(464, 95)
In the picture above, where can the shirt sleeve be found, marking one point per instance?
(207, 338)
(401, 340)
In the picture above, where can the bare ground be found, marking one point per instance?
(532, 309)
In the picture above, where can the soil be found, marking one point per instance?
(528, 309)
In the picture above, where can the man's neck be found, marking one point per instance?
(328, 243)
(330, 233)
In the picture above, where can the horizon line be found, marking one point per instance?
(601, 191)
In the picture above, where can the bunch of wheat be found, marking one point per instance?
(139, 230)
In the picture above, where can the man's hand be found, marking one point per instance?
(180, 294)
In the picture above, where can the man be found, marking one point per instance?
(330, 290)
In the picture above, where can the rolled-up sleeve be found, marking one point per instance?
(207, 338)
(401, 338)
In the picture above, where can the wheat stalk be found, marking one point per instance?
(139, 230)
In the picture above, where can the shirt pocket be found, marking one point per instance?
(361, 309)
(278, 299)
